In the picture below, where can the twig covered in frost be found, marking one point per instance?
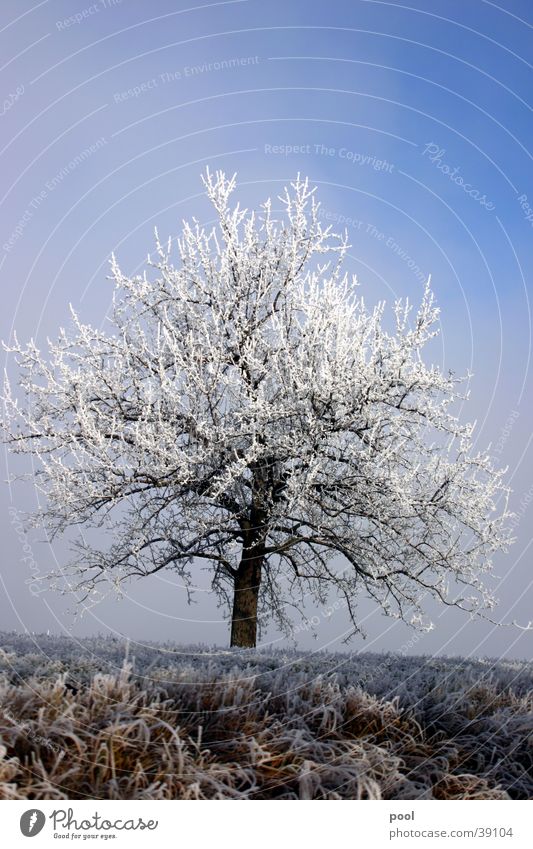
(249, 412)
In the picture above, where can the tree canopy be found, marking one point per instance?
(248, 412)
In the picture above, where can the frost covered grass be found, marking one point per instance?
(94, 718)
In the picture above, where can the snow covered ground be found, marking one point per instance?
(98, 717)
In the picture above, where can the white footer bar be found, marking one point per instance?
(268, 824)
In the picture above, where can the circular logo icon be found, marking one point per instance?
(32, 822)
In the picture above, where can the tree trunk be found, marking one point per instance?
(247, 581)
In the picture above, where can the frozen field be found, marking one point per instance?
(98, 718)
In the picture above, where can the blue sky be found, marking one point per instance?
(413, 121)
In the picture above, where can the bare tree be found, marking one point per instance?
(249, 411)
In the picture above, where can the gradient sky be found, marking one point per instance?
(110, 112)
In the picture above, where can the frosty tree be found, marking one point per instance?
(248, 412)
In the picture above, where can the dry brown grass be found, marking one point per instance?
(233, 737)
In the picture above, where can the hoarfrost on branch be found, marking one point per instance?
(247, 403)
